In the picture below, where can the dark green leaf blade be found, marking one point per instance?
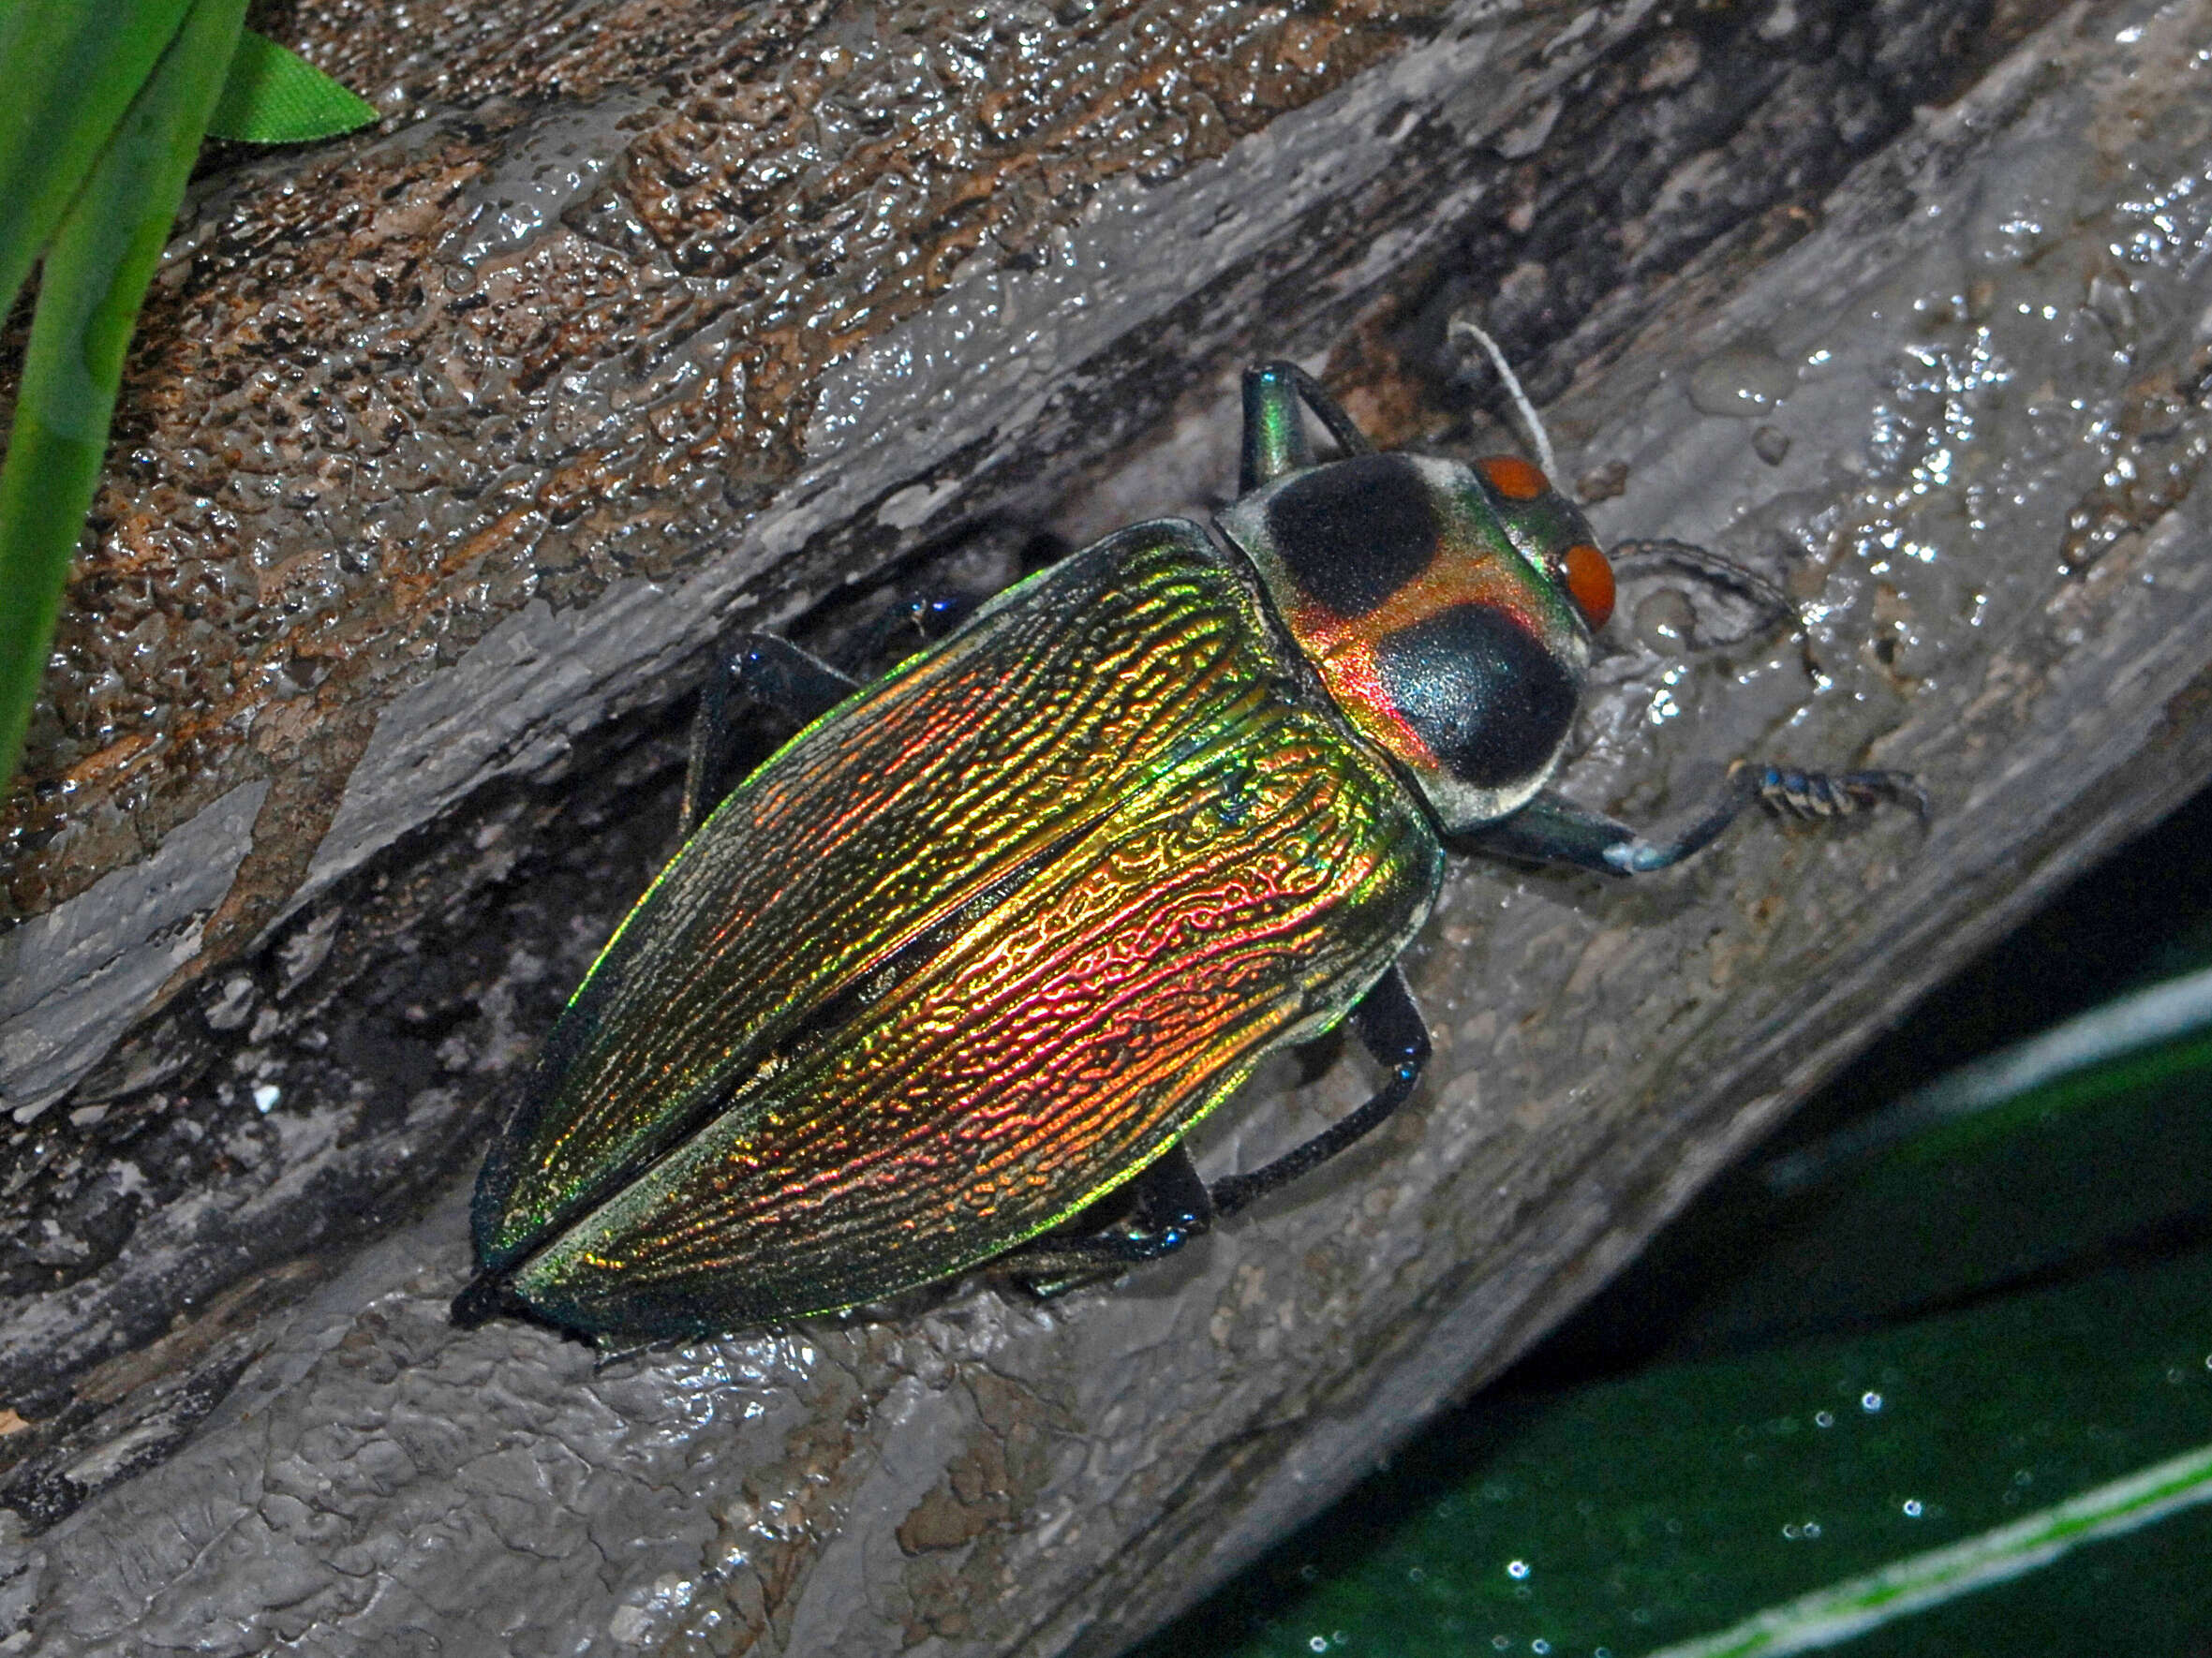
(273, 95)
(1663, 1507)
(1942, 1198)
(102, 256)
(1938, 1578)
(68, 69)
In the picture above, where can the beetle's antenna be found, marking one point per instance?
(1460, 327)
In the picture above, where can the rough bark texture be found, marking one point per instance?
(368, 733)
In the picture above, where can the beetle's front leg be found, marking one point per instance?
(756, 668)
(1551, 830)
(1774, 605)
(1274, 432)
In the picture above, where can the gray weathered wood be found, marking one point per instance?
(1986, 359)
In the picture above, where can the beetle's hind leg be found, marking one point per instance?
(1174, 1206)
(1171, 1207)
(755, 668)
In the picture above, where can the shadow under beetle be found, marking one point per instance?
(986, 938)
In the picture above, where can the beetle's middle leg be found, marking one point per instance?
(1174, 1204)
(1389, 1025)
(756, 668)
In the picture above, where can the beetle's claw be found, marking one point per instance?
(1831, 794)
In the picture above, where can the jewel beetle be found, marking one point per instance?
(977, 947)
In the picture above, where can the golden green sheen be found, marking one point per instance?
(969, 952)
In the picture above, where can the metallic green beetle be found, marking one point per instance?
(984, 940)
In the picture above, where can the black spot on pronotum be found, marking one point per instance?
(1480, 690)
(1353, 533)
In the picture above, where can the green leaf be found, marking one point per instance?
(1941, 1468)
(1830, 1616)
(2046, 1151)
(2036, 1158)
(277, 97)
(2142, 1040)
(102, 255)
(68, 70)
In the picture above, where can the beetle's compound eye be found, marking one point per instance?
(1588, 578)
(1513, 477)
(1539, 521)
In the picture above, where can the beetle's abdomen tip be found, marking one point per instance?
(486, 1297)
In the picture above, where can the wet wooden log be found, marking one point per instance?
(1946, 391)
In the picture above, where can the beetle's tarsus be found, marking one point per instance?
(936, 615)
(1840, 794)
(1050, 1286)
(1172, 1207)
(607, 1353)
(924, 616)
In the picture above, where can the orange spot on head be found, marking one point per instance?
(1513, 477)
(1589, 581)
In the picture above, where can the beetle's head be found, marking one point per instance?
(1448, 609)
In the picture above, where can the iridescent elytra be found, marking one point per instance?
(981, 944)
